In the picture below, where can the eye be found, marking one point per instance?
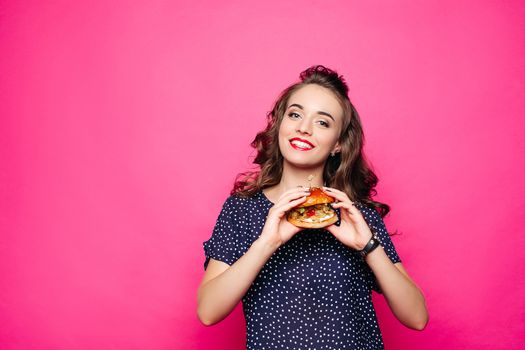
(294, 115)
(324, 123)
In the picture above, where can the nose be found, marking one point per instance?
(304, 127)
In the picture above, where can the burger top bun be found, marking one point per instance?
(316, 196)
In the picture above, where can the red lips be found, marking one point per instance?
(301, 140)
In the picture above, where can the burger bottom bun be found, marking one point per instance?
(321, 224)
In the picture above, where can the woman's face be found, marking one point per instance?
(310, 127)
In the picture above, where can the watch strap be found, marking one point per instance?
(372, 244)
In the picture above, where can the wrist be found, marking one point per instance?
(267, 244)
(370, 246)
(376, 252)
(361, 245)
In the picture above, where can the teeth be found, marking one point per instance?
(301, 144)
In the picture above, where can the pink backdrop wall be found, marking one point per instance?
(123, 125)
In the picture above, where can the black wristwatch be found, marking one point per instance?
(372, 244)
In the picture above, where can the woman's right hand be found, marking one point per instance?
(277, 230)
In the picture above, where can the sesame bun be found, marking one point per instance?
(315, 212)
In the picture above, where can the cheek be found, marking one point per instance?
(330, 138)
(285, 128)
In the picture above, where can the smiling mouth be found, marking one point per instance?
(301, 145)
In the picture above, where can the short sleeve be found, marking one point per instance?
(375, 222)
(224, 242)
(382, 234)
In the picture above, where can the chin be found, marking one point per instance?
(298, 157)
(302, 164)
(308, 159)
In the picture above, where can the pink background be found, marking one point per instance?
(123, 125)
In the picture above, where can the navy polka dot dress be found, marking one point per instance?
(313, 293)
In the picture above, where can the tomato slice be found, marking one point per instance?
(310, 212)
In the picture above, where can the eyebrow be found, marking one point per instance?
(318, 112)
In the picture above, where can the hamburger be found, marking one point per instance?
(315, 212)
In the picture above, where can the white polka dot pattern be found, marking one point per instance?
(313, 293)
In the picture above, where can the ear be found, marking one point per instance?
(337, 148)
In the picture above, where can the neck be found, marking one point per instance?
(294, 176)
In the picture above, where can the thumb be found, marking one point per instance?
(334, 230)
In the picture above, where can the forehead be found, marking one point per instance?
(317, 98)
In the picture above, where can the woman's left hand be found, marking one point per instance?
(353, 230)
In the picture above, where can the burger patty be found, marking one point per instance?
(314, 213)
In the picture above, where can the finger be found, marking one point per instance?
(284, 207)
(339, 195)
(349, 209)
(342, 204)
(295, 197)
(353, 213)
(333, 229)
(337, 232)
(331, 189)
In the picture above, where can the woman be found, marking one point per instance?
(307, 288)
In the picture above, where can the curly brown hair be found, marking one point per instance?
(348, 170)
